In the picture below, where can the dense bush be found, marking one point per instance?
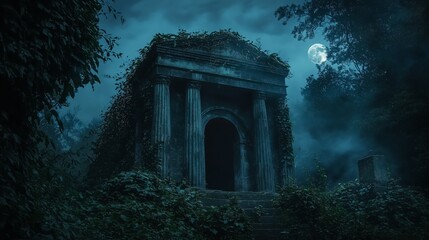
(354, 211)
(389, 212)
(139, 205)
(131, 205)
(226, 222)
(309, 213)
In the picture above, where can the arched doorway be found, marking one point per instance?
(221, 144)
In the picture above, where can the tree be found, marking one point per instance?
(386, 59)
(71, 150)
(48, 50)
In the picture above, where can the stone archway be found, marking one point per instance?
(218, 123)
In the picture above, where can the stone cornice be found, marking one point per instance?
(217, 59)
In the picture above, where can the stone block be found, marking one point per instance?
(373, 169)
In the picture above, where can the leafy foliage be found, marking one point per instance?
(43, 209)
(48, 50)
(392, 212)
(354, 211)
(55, 203)
(131, 205)
(309, 214)
(284, 128)
(70, 151)
(226, 222)
(330, 87)
(358, 40)
(139, 205)
(115, 147)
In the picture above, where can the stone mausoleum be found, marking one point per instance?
(215, 101)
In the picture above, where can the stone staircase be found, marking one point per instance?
(269, 224)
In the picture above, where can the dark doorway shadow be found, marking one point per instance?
(220, 143)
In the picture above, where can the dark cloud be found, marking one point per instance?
(252, 15)
(191, 11)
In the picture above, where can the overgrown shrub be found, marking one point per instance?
(139, 205)
(354, 211)
(389, 212)
(131, 205)
(309, 213)
(226, 222)
(56, 203)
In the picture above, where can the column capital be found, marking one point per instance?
(162, 79)
(259, 95)
(194, 84)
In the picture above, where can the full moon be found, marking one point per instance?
(317, 53)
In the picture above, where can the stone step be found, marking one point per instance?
(269, 224)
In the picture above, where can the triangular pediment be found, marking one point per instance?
(221, 43)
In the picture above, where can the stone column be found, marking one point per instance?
(161, 121)
(263, 155)
(194, 141)
(242, 178)
(373, 169)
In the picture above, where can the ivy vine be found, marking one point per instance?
(285, 140)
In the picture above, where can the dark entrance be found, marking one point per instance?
(220, 143)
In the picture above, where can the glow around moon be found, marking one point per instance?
(318, 53)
